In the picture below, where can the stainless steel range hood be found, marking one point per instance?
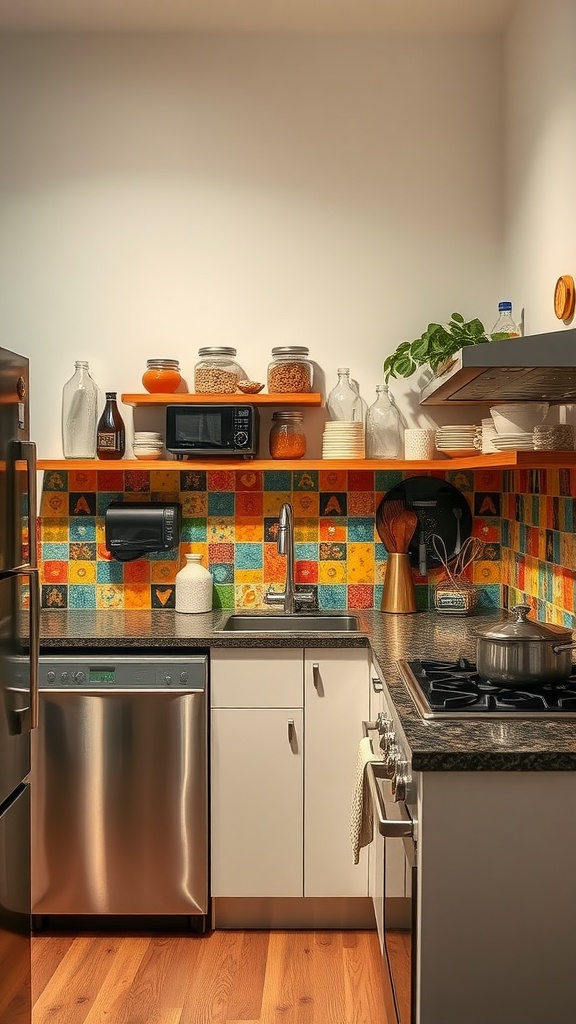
(541, 367)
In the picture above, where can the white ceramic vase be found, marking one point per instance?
(193, 586)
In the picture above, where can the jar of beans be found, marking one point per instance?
(287, 437)
(290, 371)
(216, 372)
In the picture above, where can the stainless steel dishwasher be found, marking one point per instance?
(120, 793)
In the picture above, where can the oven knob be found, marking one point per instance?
(50, 677)
(400, 781)
(391, 760)
(78, 677)
(388, 740)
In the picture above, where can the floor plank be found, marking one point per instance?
(235, 977)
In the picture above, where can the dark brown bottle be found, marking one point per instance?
(110, 433)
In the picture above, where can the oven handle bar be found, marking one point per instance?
(387, 827)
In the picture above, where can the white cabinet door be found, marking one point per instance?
(256, 785)
(336, 697)
(267, 678)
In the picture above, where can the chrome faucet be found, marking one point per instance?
(289, 597)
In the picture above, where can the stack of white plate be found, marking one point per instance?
(457, 440)
(147, 444)
(517, 442)
(343, 439)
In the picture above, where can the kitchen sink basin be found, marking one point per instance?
(263, 623)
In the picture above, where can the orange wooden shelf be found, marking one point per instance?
(505, 460)
(237, 399)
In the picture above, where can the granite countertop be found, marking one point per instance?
(507, 744)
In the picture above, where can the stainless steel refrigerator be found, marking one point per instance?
(19, 647)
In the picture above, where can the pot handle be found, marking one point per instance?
(558, 648)
(522, 612)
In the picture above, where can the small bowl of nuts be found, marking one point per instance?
(249, 387)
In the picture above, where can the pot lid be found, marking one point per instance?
(523, 628)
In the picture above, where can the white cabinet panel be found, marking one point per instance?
(336, 696)
(256, 784)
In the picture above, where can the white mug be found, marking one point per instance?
(418, 443)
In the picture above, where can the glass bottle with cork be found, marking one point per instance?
(110, 434)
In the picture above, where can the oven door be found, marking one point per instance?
(394, 893)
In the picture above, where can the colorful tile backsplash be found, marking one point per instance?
(230, 517)
(538, 542)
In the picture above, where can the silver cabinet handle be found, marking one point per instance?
(317, 679)
(387, 827)
(377, 685)
(291, 731)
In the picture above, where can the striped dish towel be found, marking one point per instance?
(361, 821)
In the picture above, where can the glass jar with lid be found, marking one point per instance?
(287, 438)
(290, 371)
(162, 376)
(217, 372)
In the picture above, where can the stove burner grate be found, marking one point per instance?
(455, 686)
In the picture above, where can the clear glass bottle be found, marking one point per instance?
(344, 401)
(287, 438)
(193, 586)
(382, 427)
(290, 371)
(505, 325)
(79, 414)
(110, 435)
(217, 372)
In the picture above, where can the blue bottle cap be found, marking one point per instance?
(504, 307)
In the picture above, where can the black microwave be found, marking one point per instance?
(212, 429)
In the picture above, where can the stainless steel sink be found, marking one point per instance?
(320, 622)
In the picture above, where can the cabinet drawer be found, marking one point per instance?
(265, 679)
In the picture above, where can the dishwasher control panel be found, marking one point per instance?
(124, 672)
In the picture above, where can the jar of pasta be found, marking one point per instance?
(216, 372)
(290, 371)
(162, 376)
(287, 437)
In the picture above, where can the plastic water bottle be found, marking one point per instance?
(505, 326)
(79, 414)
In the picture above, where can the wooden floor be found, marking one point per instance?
(221, 978)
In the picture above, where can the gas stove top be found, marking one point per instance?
(453, 689)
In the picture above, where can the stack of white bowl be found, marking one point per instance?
(457, 440)
(343, 439)
(147, 444)
(515, 424)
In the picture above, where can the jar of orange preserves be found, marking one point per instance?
(162, 376)
(287, 438)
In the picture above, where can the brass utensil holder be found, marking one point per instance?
(398, 594)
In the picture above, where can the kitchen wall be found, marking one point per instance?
(159, 193)
(540, 218)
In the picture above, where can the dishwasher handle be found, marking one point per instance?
(121, 691)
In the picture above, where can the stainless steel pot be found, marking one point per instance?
(523, 651)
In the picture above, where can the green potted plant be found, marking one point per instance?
(436, 346)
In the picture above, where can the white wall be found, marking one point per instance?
(164, 192)
(540, 64)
